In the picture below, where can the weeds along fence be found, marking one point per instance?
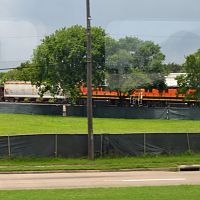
(102, 111)
(60, 145)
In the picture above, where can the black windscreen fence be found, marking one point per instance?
(75, 146)
(4, 146)
(166, 143)
(103, 111)
(25, 108)
(194, 143)
(127, 144)
(72, 145)
(32, 145)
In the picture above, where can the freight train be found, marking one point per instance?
(19, 91)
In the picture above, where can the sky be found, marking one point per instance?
(173, 24)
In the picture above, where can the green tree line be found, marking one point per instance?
(59, 64)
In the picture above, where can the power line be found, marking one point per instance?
(22, 37)
(111, 34)
(3, 69)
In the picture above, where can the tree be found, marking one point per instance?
(2, 74)
(60, 61)
(25, 72)
(121, 76)
(174, 68)
(191, 80)
(126, 83)
(133, 64)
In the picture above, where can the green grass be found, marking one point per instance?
(130, 193)
(14, 124)
(44, 164)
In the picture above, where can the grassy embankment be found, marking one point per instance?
(15, 124)
(43, 164)
(136, 193)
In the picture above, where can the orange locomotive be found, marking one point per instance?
(141, 97)
(146, 97)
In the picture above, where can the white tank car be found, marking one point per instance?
(22, 89)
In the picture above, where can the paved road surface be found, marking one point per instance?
(96, 179)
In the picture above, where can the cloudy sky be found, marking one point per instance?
(174, 24)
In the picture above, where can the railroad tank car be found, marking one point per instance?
(20, 90)
(1, 93)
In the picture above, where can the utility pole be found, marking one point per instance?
(89, 85)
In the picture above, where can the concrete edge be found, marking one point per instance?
(188, 168)
(169, 169)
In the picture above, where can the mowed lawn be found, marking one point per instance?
(136, 193)
(106, 163)
(13, 124)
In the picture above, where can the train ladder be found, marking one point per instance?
(140, 98)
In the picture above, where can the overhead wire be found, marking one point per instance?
(111, 34)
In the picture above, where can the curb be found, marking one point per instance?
(170, 169)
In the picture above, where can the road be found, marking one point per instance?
(96, 179)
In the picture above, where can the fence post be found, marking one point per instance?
(188, 142)
(64, 110)
(101, 153)
(56, 145)
(167, 113)
(144, 144)
(9, 149)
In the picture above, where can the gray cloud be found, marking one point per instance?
(112, 10)
(68, 12)
(45, 16)
(53, 14)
